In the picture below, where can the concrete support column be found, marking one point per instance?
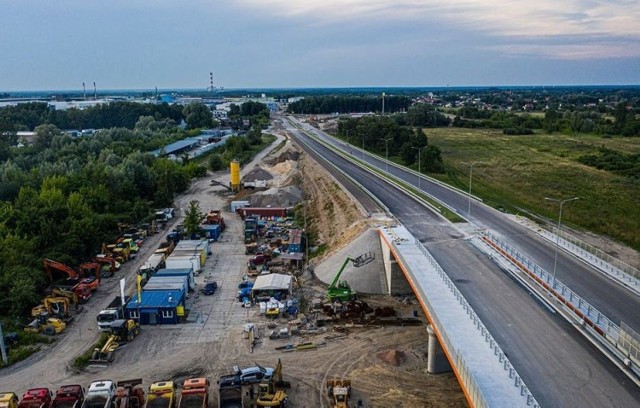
(386, 260)
(436, 360)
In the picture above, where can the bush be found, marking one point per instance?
(517, 131)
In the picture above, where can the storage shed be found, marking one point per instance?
(182, 272)
(272, 285)
(295, 240)
(157, 307)
(211, 231)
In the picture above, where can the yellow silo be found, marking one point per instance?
(235, 175)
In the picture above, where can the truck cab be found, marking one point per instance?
(100, 394)
(69, 396)
(36, 398)
(8, 400)
(161, 394)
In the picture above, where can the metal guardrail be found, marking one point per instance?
(466, 376)
(601, 259)
(625, 344)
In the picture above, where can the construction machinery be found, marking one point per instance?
(46, 325)
(121, 331)
(162, 394)
(121, 255)
(8, 400)
(101, 394)
(339, 392)
(215, 217)
(109, 265)
(36, 398)
(69, 396)
(129, 394)
(113, 312)
(195, 393)
(271, 392)
(76, 280)
(75, 293)
(55, 306)
(339, 290)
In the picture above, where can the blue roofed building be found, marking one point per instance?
(157, 307)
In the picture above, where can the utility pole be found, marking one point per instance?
(5, 358)
(419, 149)
(383, 104)
(386, 145)
(555, 258)
(470, 178)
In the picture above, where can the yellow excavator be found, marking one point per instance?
(271, 393)
(122, 331)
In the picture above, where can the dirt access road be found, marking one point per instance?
(385, 364)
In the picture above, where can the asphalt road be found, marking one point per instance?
(561, 367)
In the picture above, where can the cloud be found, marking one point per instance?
(608, 27)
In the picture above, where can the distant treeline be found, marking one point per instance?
(349, 104)
(26, 116)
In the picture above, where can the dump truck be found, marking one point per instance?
(129, 394)
(339, 290)
(271, 392)
(162, 394)
(36, 398)
(8, 400)
(122, 331)
(229, 391)
(46, 325)
(69, 396)
(195, 393)
(338, 391)
(101, 394)
(113, 312)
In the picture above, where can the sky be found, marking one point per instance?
(142, 44)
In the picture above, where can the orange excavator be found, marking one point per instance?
(79, 284)
(109, 264)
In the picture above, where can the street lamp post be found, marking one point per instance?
(555, 258)
(419, 149)
(363, 147)
(470, 179)
(386, 159)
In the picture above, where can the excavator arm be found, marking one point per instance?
(357, 262)
(50, 266)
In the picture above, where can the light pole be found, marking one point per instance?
(419, 149)
(555, 258)
(470, 179)
(363, 147)
(386, 160)
(383, 104)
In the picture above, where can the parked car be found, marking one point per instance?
(210, 288)
(254, 375)
(259, 259)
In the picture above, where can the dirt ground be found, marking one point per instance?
(387, 365)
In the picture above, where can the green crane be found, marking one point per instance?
(340, 289)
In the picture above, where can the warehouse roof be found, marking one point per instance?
(166, 298)
(273, 281)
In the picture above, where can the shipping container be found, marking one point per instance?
(188, 272)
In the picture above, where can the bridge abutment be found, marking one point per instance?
(436, 360)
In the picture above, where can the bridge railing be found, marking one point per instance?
(466, 376)
(625, 344)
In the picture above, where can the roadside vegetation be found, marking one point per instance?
(62, 196)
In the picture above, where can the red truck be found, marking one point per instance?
(69, 396)
(36, 398)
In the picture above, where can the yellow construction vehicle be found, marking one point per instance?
(45, 324)
(55, 306)
(339, 391)
(122, 331)
(162, 394)
(271, 392)
(8, 400)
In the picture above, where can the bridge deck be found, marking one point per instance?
(484, 371)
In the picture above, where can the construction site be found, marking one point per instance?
(245, 315)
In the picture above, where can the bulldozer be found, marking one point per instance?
(121, 331)
(46, 325)
(271, 393)
(338, 391)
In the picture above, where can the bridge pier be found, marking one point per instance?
(436, 360)
(386, 261)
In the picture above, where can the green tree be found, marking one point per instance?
(197, 115)
(192, 218)
(215, 162)
(44, 135)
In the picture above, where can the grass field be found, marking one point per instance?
(518, 172)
